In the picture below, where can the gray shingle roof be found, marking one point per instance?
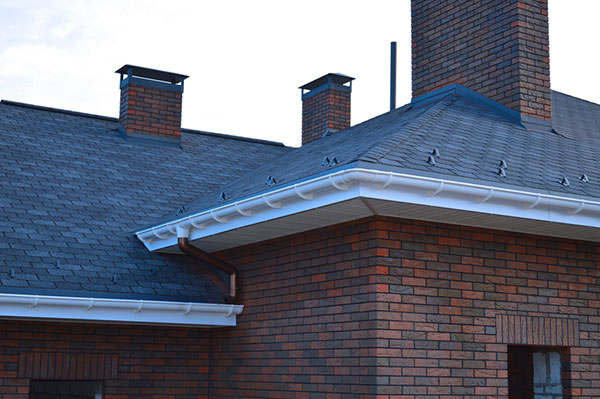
(72, 191)
(472, 138)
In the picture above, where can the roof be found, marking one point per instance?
(76, 189)
(471, 137)
(73, 190)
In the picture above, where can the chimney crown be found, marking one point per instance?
(150, 102)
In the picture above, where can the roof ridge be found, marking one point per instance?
(418, 123)
(112, 119)
(234, 137)
(59, 110)
(576, 98)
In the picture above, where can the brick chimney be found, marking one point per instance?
(498, 48)
(150, 102)
(325, 106)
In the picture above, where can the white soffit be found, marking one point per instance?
(107, 310)
(356, 193)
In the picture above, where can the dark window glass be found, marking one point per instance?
(65, 390)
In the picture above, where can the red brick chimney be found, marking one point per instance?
(325, 106)
(498, 48)
(150, 102)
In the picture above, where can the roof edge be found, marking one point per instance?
(59, 110)
(109, 310)
(234, 137)
(374, 184)
(112, 119)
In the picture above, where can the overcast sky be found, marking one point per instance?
(245, 58)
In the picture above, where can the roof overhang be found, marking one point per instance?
(358, 192)
(107, 310)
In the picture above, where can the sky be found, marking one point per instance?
(246, 59)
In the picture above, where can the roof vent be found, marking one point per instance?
(57, 264)
(329, 161)
(181, 210)
(12, 273)
(431, 160)
(222, 196)
(565, 181)
(501, 172)
(114, 279)
(270, 181)
(435, 153)
(503, 164)
(584, 178)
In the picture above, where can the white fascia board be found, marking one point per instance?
(366, 183)
(108, 310)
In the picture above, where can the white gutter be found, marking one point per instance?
(375, 184)
(78, 309)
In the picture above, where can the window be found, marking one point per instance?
(535, 372)
(40, 389)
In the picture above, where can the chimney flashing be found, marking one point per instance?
(528, 122)
(148, 140)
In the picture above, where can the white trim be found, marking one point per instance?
(80, 309)
(374, 184)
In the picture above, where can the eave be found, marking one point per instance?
(109, 310)
(358, 192)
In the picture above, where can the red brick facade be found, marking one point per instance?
(399, 309)
(150, 110)
(376, 308)
(329, 109)
(132, 362)
(497, 48)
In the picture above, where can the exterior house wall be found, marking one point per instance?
(392, 308)
(309, 324)
(131, 361)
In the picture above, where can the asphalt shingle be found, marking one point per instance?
(472, 138)
(73, 191)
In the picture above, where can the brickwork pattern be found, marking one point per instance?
(150, 110)
(398, 309)
(152, 362)
(495, 47)
(329, 109)
(309, 323)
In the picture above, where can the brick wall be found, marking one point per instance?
(329, 109)
(133, 362)
(399, 309)
(309, 323)
(495, 47)
(150, 110)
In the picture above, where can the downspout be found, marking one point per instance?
(187, 248)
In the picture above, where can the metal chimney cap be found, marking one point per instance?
(335, 78)
(149, 73)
